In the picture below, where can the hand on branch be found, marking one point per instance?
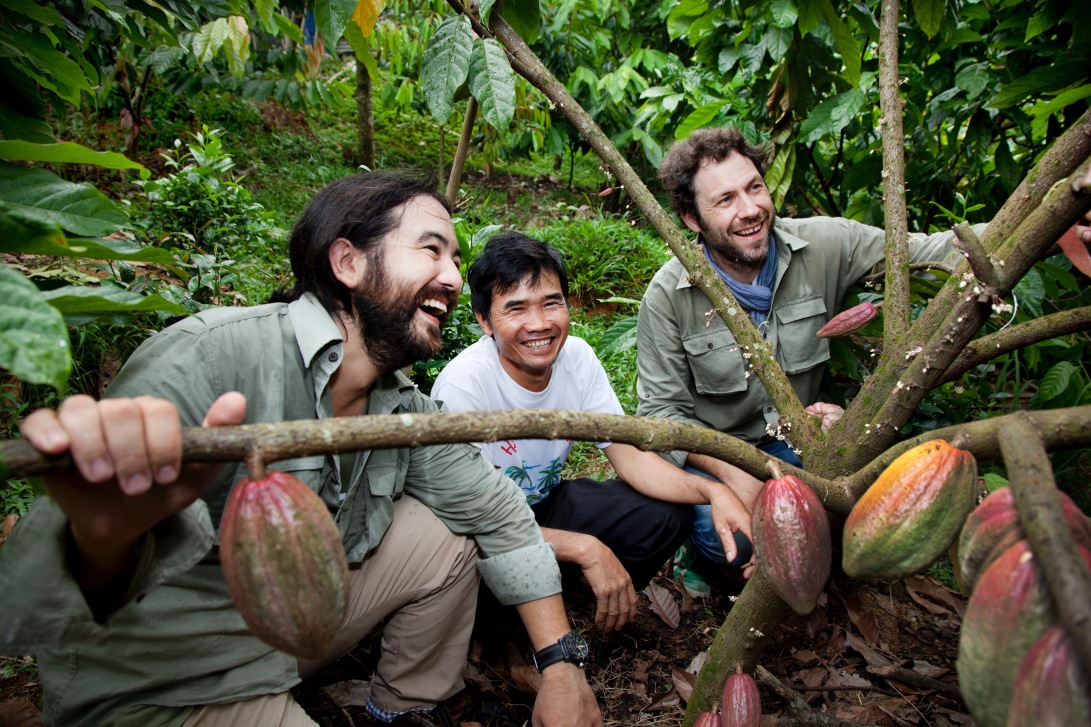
(828, 413)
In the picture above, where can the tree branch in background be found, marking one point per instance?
(914, 267)
(835, 210)
(459, 161)
(896, 287)
(967, 242)
(1019, 336)
(1043, 520)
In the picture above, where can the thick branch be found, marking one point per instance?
(1016, 337)
(1043, 520)
(896, 288)
(804, 430)
(459, 161)
(969, 245)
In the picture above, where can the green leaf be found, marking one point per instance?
(66, 153)
(1010, 172)
(208, 40)
(1055, 381)
(492, 82)
(33, 338)
(698, 119)
(779, 175)
(525, 18)
(1031, 292)
(78, 208)
(362, 48)
(483, 9)
(292, 31)
(776, 42)
(810, 13)
(446, 64)
(784, 13)
(929, 14)
(45, 16)
(994, 481)
(1041, 80)
(617, 338)
(973, 79)
(51, 68)
(728, 58)
(846, 43)
(832, 115)
(331, 17)
(81, 304)
(1048, 108)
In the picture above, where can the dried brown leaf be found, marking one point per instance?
(683, 683)
(805, 657)
(921, 586)
(842, 678)
(663, 605)
(664, 702)
(813, 677)
(527, 679)
(863, 620)
(872, 656)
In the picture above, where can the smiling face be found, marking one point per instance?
(411, 286)
(529, 324)
(734, 212)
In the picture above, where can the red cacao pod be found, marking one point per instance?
(912, 513)
(1051, 688)
(284, 564)
(707, 719)
(993, 527)
(742, 702)
(848, 321)
(1009, 610)
(792, 541)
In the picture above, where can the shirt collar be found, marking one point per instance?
(315, 329)
(786, 242)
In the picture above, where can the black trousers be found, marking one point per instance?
(643, 533)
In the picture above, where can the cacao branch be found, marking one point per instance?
(1042, 518)
(459, 161)
(967, 242)
(913, 267)
(896, 287)
(804, 429)
(1018, 336)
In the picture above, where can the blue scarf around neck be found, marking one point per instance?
(756, 297)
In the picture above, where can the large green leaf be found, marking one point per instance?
(1055, 381)
(810, 13)
(699, 118)
(82, 304)
(832, 115)
(33, 338)
(525, 18)
(208, 41)
(492, 82)
(929, 15)
(973, 79)
(846, 43)
(446, 64)
(331, 16)
(67, 152)
(617, 338)
(1041, 80)
(78, 208)
(354, 36)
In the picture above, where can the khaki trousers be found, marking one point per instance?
(424, 577)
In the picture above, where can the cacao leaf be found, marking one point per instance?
(833, 114)
(1076, 252)
(82, 304)
(619, 337)
(331, 16)
(524, 17)
(67, 152)
(1055, 381)
(846, 43)
(492, 82)
(683, 682)
(78, 208)
(366, 14)
(929, 15)
(209, 39)
(698, 118)
(33, 338)
(446, 64)
(663, 605)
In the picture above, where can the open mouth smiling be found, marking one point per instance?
(538, 344)
(435, 308)
(750, 231)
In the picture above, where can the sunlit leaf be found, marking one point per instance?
(33, 337)
(209, 39)
(846, 43)
(929, 15)
(65, 153)
(699, 118)
(492, 82)
(83, 304)
(78, 208)
(1041, 80)
(331, 16)
(832, 115)
(446, 64)
(367, 13)
(617, 338)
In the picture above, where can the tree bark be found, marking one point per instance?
(365, 117)
(459, 161)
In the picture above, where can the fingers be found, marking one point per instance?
(228, 410)
(616, 606)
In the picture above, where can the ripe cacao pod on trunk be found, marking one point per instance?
(707, 719)
(1051, 688)
(1009, 610)
(912, 513)
(848, 321)
(284, 564)
(792, 541)
(742, 702)
(993, 527)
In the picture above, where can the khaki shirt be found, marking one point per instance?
(689, 366)
(178, 640)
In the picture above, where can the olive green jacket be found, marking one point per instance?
(178, 639)
(691, 370)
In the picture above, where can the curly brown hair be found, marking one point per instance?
(703, 146)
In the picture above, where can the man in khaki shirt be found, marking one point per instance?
(114, 580)
(790, 276)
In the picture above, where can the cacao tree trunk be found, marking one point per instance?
(365, 117)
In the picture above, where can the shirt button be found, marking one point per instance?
(710, 344)
(333, 357)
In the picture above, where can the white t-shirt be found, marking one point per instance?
(475, 381)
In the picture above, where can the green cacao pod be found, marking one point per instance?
(912, 513)
(284, 564)
(707, 719)
(792, 541)
(848, 321)
(993, 527)
(1009, 610)
(1051, 688)
(742, 702)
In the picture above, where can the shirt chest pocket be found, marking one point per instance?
(716, 362)
(798, 346)
(385, 473)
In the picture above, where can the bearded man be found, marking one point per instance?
(114, 581)
(790, 276)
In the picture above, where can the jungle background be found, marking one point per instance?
(155, 155)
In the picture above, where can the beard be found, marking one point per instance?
(722, 244)
(385, 315)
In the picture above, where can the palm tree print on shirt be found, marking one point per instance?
(551, 476)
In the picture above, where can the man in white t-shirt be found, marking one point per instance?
(618, 532)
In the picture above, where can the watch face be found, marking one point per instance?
(576, 647)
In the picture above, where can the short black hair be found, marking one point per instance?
(508, 259)
(359, 208)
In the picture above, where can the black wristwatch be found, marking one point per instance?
(571, 647)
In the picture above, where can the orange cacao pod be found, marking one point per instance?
(848, 321)
(792, 541)
(912, 513)
(993, 527)
(1051, 688)
(742, 702)
(284, 564)
(707, 719)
